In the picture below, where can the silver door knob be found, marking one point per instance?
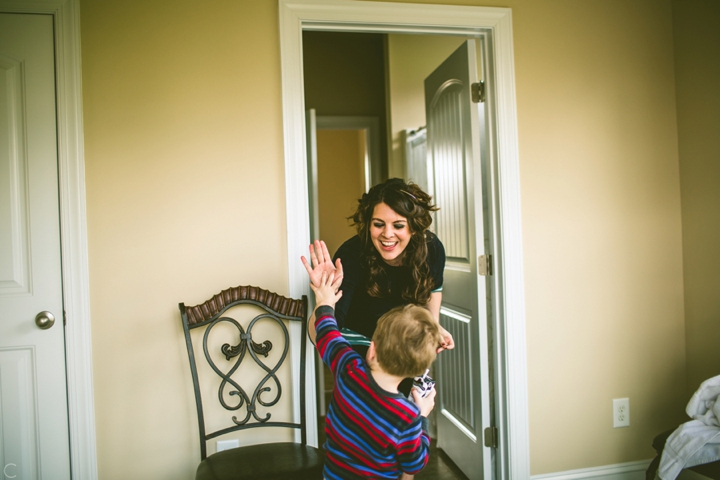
(45, 320)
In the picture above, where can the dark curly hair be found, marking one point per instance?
(410, 201)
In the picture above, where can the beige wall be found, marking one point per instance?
(697, 69)
(601, 227)
(344, 75)
(183, 139)
(341, 182)
(185, 197)
(601, 220)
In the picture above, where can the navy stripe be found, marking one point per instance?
(365, 426)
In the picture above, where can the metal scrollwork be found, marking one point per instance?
(265, 386)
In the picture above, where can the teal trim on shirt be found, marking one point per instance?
(354, 338)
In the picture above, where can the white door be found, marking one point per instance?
(33, 400)
(453, 147)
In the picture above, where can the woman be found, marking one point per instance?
(393, 260)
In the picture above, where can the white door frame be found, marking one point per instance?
(73, 226)
(510, 370)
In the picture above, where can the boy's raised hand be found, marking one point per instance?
(327, 290)
(321, 262)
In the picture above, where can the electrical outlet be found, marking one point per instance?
(621, 412)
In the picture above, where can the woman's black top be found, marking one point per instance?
(357, 310)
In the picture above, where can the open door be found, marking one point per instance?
(454, 126)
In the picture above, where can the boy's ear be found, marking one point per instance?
(370, 355)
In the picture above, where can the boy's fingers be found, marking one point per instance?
(415, 394)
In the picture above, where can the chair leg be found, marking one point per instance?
(651, 472)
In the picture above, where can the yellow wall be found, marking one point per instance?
(697, 69)
(185, 197)
(601, 227)
(344, 75)
(183, 142)
(601, 220)
(341, 182)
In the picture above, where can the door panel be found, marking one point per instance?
(33, 398)
(453, 143)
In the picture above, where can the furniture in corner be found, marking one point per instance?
(708, 471)
(240, 351)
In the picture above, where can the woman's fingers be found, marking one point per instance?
(313, 255)
(338, 267)
(319, 251)
(306, 265)
(325, 252)
(446, 341)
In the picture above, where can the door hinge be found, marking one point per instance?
(478, 92)
(64, 319)
(485, 265)
(491, 437)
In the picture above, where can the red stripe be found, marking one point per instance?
(398, 408)
(361, 422)
(359, 455)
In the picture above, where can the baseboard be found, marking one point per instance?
(621, 471)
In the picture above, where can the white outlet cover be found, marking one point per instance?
(621, 412)
(227, 444)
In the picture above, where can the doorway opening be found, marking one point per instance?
(387, 75)
(494, 25)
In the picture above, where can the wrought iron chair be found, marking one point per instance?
(248, 395)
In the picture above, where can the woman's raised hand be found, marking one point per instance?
(321, 263)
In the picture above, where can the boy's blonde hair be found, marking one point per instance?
(406, 341)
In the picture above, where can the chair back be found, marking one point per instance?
(238, 366)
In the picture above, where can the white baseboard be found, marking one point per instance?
(622, 471)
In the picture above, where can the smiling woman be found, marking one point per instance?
(393, 260)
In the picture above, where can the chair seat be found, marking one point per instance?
(271, 461)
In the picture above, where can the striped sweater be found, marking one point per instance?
(371, 433)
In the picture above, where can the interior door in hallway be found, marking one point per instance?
(454, 126)
(33, 397)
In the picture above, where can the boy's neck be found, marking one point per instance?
(386, 381)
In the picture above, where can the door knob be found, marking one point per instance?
(45, 320)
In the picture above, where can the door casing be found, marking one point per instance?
(73, 225)
(495, 24)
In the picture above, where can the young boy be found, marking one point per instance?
(372, 430)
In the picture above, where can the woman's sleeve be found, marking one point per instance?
(351, 273)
